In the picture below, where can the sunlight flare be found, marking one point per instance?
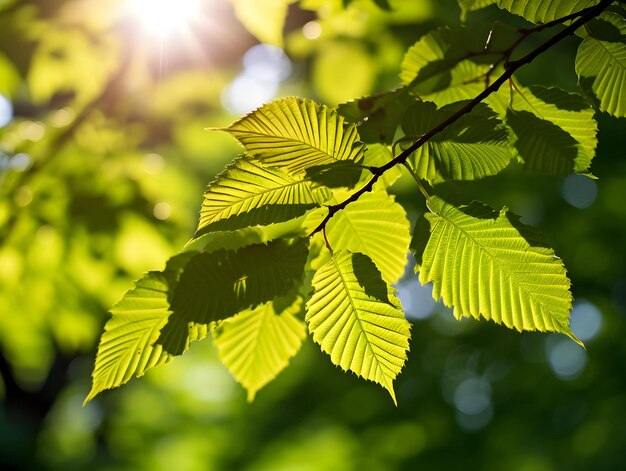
(164, 17)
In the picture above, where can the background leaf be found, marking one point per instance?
(265, 19)
(357, 319)
(489, 265)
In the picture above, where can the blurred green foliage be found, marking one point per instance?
(103, 161)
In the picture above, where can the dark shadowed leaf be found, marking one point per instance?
(474, 146)
(218, 285)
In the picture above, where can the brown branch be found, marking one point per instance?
(584, 16)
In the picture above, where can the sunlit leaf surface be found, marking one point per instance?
(488, 265)
(295, 134)
(256, 345)
(357, 320)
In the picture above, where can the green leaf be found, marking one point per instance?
(472, 5)
(542, 11)
(487, 264)
(295, 134)
(431, 47)
(602, 66)
(554, 132)
(265, 19)
(384, 4)
(356, 318)
(128, 345)
(378, 116)
(474, 146)
(249, 194)
(68, 60)
(376, 226)
(342, 174)
(9, 77)
(257, 344)
(218, 285)
(435, 67)
(378, 155)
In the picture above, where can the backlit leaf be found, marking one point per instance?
(554, 132)
(342, 174)
(542, 11)
(265, 19)
(356, 318)
(488, 265)
(471, 5)
(435, 67)
(602, 63)
(257, 344)
(376, 226)
(128, 345)
(295, 134)
(378, 116)
(474, 146)
(378, 155)
(249, 194)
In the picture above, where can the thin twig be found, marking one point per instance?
(583, 17)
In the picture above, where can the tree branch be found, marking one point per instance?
(584, 16)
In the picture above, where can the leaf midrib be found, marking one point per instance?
(354, 308)
(288, 139)
(608, 51)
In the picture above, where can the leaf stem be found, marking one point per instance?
(330, 249)
(417, 180)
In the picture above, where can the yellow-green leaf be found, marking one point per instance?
(554, 132)
(542, 11)
(257, 344)
(602, 62)
(376, 226)
(249, 194)
(357, 319)
(435, 69)
(128, 345)
(295, 134)
(488, 265)
(265, 19)
(474, 146)
(215, 286)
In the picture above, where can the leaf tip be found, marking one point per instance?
(392, 393)
(216, 128)
(571, 335)
(92, 394)
(251, 395)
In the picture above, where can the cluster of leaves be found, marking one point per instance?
(307, 205)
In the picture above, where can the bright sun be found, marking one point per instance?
(164, 17)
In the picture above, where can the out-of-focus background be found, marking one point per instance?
(104, 157)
